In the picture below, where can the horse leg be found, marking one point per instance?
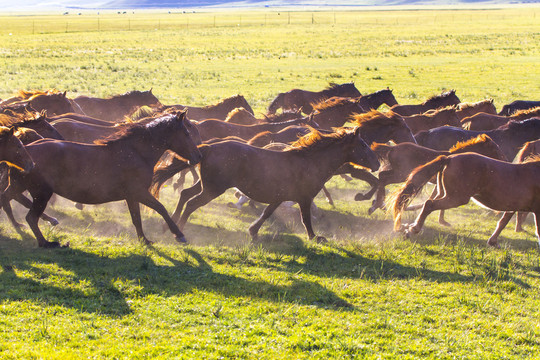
(203, 198)
(447, 202)
(40, 199)
(305, 210)
(256, 225)
(158, 207)
(27, 203)
(135, 212)
(185, 195)
(520, 219)
(328, 196)
(492, 241)
(372, 180)
(179, 183)
(385, 177)
(537, 222)
(194, 173)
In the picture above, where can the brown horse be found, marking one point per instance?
(400, 160)
(374, 100)
(80, 118)
(469, 109)
(115, 107)
(284, 136)
(297, 99)
(54, 103)
(84, 133)
(376, 126)
(445, 99)
(432, 119)
(483, 121)
(35, 121)
(216, 111)
(461, 177)
(243, 117)
(336, 111)
(13, 151)
(509, 137)
(213, 128)
(271, 177)
(119, 168)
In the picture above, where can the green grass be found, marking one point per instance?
(367, 294)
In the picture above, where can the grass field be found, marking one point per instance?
(367, 294)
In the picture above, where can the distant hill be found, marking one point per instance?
(10, 5)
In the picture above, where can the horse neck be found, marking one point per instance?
(323, 162)
(375, 100)
(149, 150)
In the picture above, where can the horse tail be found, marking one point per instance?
(416, 180)
(276, 103)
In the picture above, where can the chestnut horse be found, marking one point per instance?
(216, 111)
(116, 107)
(297, 99)
(509, 137)
(268, 176)
(483, 121)
(400, 160)
(432, 119)
(445, 99)
(461, 177)
(119, 168)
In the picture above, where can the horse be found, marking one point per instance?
(484, 121)
(216, 111)
(335, 111)
(13, 151)
(461, 177)
(303, 99)
(84, 133)
(445, 99)
(80, 118)
(271, 177)
(376, 126)
(284, 136)
(115, 107)
(374, 100)
(514, 106)
(400, 160)
(510, 137)
(213, 128)
(432, 119)
(243, 117)
(464, 110)
(35, 121)
(117, 168)
(54, 103)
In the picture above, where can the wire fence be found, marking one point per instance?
(133, 21)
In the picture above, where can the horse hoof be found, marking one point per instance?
(320, 240)
(371, 210)
(79, 206)
(359, 197)
(53, 221)
(445, 223)
(181, 240)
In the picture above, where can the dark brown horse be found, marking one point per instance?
(336, 111)
(461, 177)
(116, 107)
(509, 137)
(514, 106)
(469, 109)
(216, 111)
(54, 103)
(119, 168)
(432, 119)
(484, 121)
(375, 100)
(400, 160)
(445, 99)
(271, 177)
(297, 99)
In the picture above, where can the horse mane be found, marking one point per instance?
(126, 94)
(19, 119)
(469, 105)
(259, 137)
(316, 140)
(223, 102)
(434, 112)
(4, 131)
(29, 94)
(377, 118)
(438, 97)
(482, 138)
(236, 111)
(333, 85)
(138, 129)
(331, 103)
(520, 125)
(525, 113)
(531, 158)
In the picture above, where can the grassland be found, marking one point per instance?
(367, 294)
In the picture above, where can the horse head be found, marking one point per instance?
(12, 150)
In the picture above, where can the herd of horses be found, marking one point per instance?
(125, 147)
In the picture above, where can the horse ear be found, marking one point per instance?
(11, 131)
(181, 115)
(64, 93)
(150, 91)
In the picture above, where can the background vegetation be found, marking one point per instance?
(367, 294)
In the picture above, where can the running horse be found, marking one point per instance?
(484, 121)
(445, 99)
(271, 177)
(215, 111)
(53, 102)
(303, 99)
(432, 119)
(114, 108)
(375, 100)
(118, 168)
(461, 177)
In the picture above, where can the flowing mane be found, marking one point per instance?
(434, 112)
(29, 94)
(19, 119)
(377, 118)
(532, 158)
(316, 140)
(233, 99)
(129, 94)
(468, 105)
(482, 138)
(525, 114)
(331, 103)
